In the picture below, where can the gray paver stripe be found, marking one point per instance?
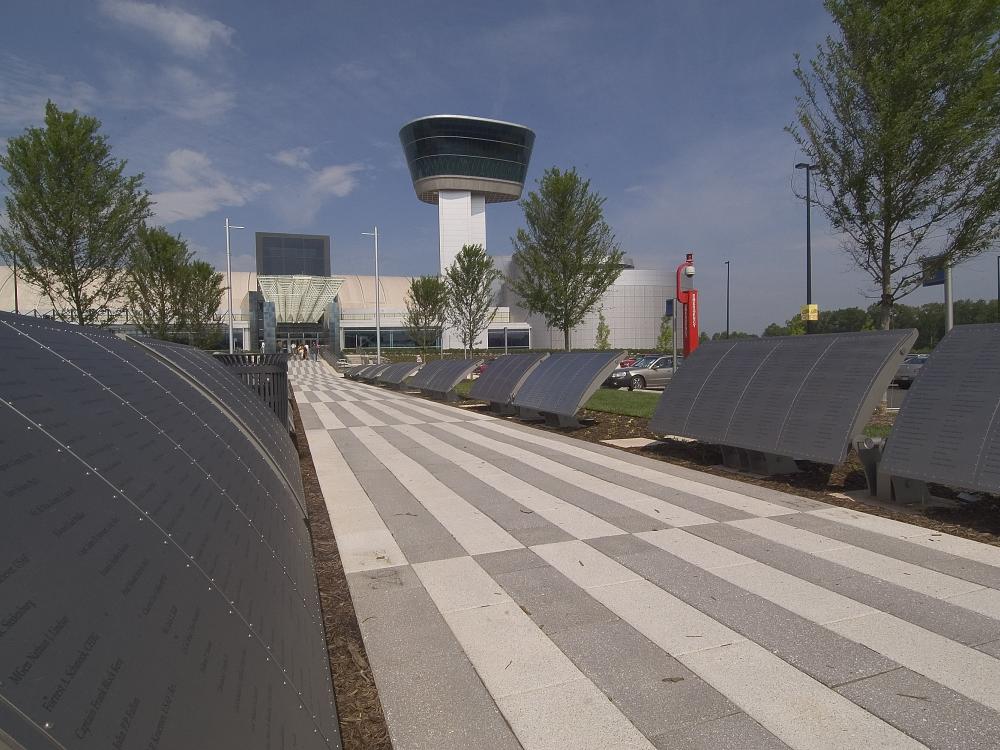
(767, 688)
(963, 669)
(935, 615)
(650, 506)
(415, 406)
(656, 693)
(416, 530)
(926, 557)
(515, 658)
(705, 507)
(363, 539)
(329, 420)
(800, 641)
(347, 418)
(987, 554)
(362, 414)
(410, 647)
(571, 519)
(914, 577)
(473, 529)
(395, 415)
(745, 503)
(598, 506)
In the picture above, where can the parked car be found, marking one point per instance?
(909, 370)
(649, 371)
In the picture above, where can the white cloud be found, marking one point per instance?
(338, 180)
(293, 157)
(185, 33)
(301, 203)
(188, 96)
(24, 89)
(195, 188)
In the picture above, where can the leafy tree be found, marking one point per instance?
(602, 343)
(721, 336)
(567, 256)
(843, 320)
(200, 305)
(470, 280)
(703, 337)
(901, 113)
(426, 307)
(72, 215)
(665, 341)
(159, 276)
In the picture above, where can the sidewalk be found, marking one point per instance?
(519, 588)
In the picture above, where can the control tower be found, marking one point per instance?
(462, 163)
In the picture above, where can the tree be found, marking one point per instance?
(72, 215)
(426, 306)
(901, 114)
(721, 336)
(470, 280)
(202, 294)
(567, 257)
(159, 276)
(665, 341)
(602, 342)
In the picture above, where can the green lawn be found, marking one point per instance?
(878, 430)
(629, 403)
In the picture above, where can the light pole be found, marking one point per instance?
(727, 300)
(810, 327)
(17, 310)
(229, 275)
(378, 308)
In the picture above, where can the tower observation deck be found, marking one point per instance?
(462, 163)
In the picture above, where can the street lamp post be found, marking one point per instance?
(229, 275)
(378, 308)
(727, 300)
(810, 326)
(17, 309)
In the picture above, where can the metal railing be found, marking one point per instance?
(266, 375)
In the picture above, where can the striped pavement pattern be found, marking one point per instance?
(519, 588)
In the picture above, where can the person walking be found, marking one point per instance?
(305, 351)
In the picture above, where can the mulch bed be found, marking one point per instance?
(362, 723)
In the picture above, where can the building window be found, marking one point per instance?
(516, 338)
(392, 338)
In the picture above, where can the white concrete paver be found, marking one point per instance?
(363, 539)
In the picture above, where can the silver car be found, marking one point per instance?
(650, 371)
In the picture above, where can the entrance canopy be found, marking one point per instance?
(299, 299)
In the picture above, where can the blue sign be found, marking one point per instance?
(933, 271)
(668, 309)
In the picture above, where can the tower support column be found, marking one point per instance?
(461, 221)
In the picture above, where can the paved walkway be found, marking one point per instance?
(518, 588)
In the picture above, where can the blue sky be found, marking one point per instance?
(285, 117)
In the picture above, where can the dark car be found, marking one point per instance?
(909, 370)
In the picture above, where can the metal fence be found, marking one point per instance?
(266, 375)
